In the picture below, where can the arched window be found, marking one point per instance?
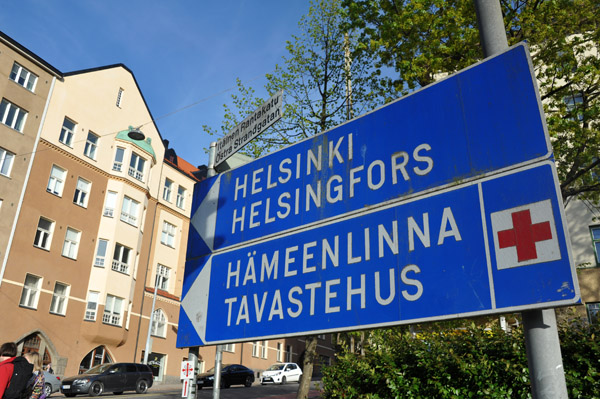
(35, 343)
(159, 324)
(98, 355)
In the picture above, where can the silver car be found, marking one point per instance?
(51, 383)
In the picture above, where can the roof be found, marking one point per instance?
(28, 53)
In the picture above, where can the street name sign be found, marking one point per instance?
(437, 206)
(256, 123)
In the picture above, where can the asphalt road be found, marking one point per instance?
(257, 391)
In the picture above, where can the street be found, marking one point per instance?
(257, 391)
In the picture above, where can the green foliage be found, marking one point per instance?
(421, 40)
(471, 362)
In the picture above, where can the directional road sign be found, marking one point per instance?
(487, 246)
(443, 205)
(484, 119)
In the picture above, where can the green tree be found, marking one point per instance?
(324, 83)
(421, 40)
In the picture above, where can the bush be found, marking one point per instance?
(472, 362)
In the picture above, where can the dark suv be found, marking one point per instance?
(109, 377)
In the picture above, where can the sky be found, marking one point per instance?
(185, 54)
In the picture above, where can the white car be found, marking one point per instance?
(280, 373)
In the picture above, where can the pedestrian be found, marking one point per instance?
(8, 351)
(49, 368)
(37, 381)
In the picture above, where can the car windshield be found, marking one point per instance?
(276, 367)
(98, 369)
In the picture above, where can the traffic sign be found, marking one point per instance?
(493, 245)
(485, 119)
(187, 370)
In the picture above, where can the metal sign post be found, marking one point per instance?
(546, 370)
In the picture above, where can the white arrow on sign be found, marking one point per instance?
(205, 218)
(195, 302)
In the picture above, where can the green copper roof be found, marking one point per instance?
(145, 144)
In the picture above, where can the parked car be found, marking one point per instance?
(231, 374)
(109, 377)
(51, 383)
(280, 373)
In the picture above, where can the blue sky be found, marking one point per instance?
(182, 52)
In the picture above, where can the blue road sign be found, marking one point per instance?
(482, 120)
(495, 244)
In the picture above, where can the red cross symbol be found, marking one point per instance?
(524, 235)
(187, 369)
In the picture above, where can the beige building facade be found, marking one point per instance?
(94, 224)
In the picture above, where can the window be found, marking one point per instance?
(288, 353)
(81, 192)
(23, 77)
(162, 277)
(67, 132)
(91, 144)
(120, 261)
(229, 348)
(167, 190)
(92, 306)
(575, 105)
(168, 234)
(279, 352)
(112, 310)
(31, 291)
(6, 162)
(110, 203)
(129, 211)
(159, 324)
(593, 311)
(59, 298)
(71, 243)
(101, 253)
(263, 349)
(43, 235)
(12, 116)
(255, 349)
(180, 197)
(56, 181)
(120, 97)
(118, 163)
(595, 231)
(136, 167)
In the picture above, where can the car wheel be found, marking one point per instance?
(47, 390)
(283, 381)
(141, 386)
(248, 382)
(199, 386)
(96, 388)
(224, 384)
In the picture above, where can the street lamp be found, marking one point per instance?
(135, 133)
(149, 336)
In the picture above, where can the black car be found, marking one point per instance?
(109, 377)
(231, 374)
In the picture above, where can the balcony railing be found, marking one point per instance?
(120, 267)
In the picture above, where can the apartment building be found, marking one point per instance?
(94, 220)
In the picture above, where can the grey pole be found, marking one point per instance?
(543, 355)
(193, 354)
(491, 27)
(219, 352)
(541, 334)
